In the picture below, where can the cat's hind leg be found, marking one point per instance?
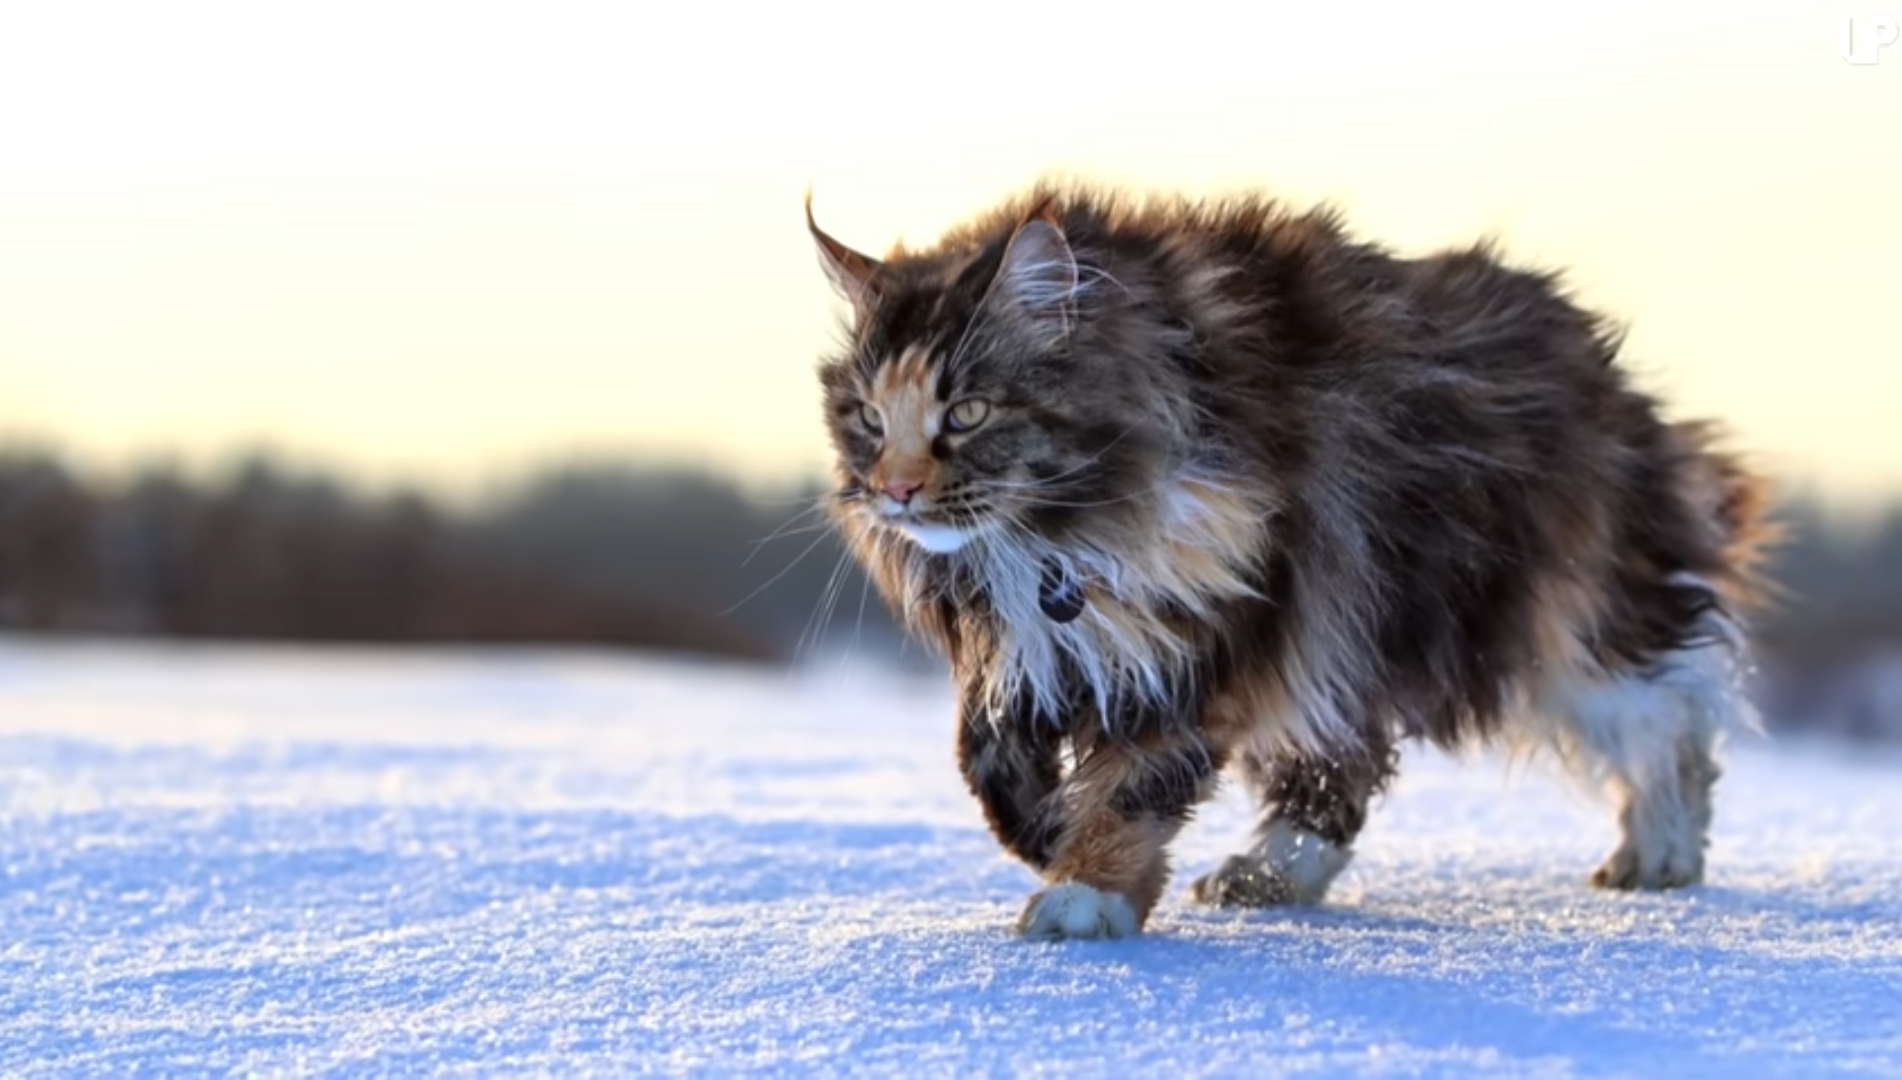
(1650, 736)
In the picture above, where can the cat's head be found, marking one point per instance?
(989, 390)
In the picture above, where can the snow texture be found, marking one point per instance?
(280, 861)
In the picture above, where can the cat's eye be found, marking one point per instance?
(967, 414)
(868, 415)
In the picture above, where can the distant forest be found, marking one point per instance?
(598, 554)
(606, 554)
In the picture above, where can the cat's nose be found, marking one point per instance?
(901, 491)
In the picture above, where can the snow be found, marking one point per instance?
(227, 859)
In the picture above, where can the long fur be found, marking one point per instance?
(1313, 498)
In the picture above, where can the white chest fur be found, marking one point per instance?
(1128, 642)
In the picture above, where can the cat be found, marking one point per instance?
(1184, 486)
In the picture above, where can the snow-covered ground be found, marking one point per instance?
(272, 861)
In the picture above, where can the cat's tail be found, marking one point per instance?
(1738, 503)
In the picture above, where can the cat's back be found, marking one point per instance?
(1332, 301)
(1440, 361)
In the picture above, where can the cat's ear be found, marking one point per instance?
(852, 273)
(1039, 275)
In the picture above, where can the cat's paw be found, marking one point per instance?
(1288, 866)
(1074, 911)
(1244, 882)
(1627, 869)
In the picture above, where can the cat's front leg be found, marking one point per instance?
(1012, 765)
(1121, 806)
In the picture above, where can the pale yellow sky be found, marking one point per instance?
(443, 241)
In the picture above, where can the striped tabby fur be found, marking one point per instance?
(1181, 487)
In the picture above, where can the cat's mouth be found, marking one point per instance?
(939, 525)
(939, 538)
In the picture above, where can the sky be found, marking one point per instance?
(443, 242)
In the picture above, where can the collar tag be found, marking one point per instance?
(1058, 594)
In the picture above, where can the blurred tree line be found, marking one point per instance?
(658, 559)
(661, 559)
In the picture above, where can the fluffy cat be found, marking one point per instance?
(1180, 487)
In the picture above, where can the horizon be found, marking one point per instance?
(467, 246)
(1853, 520)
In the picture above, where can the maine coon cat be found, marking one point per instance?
(1180, 487)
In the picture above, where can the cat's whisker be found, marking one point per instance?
(1060, 504)
(788, 529)
(810, 637)
(817, 500)
(834, 589)
(865, 590)
(1073, 470)
(786, 532)
(1024, 495)
(771, 581)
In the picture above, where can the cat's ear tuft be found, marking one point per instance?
(854, 274)
(1040, 275)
